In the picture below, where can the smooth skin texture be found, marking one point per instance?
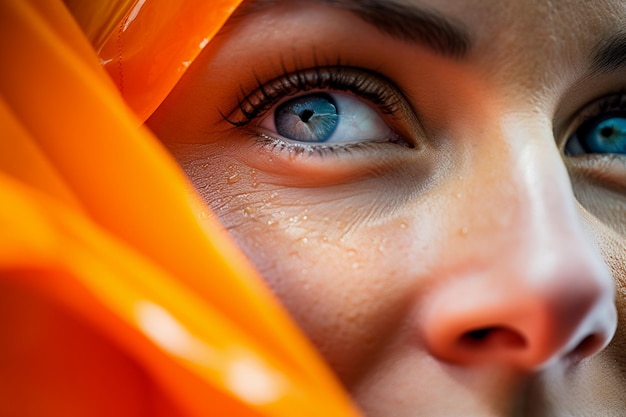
(457, 265)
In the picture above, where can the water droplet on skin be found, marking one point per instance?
(305, 240)
(324, 238)
(351, 252)
(459, 195)
(254, 183)
(249, 211)
(356, 265)
(463, 231)
(233, 178)
(305, 217)
(326, 220)
(402, 225)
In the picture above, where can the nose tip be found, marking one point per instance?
(482, 319)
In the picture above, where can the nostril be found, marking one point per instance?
(492, 339)
(587, 347)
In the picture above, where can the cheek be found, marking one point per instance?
(612, 245)
(343, 266)
(605, 212)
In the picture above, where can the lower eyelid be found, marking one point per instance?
(275, 155)
(607, 170)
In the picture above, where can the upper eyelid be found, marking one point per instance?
(608, 102)
(370, 86)
(589, 110)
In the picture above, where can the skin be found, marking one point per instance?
(474, 272)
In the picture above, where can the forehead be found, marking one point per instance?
(528, 29)
(534, 45)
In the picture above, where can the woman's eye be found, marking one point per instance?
(325, 118)
(601, 134)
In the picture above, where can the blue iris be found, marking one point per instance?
(604, 134)
(310, 118)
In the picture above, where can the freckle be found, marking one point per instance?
(351, 315)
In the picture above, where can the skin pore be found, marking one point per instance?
(446, 246)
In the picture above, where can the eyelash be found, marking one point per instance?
(609, 103)
(366, 84)
(280, 146)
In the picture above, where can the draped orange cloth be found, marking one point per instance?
(116, 299)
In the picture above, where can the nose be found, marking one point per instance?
(526, 291)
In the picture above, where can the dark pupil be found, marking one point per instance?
(306, 115)
(310, 118)
(607, 132)
(604, 134)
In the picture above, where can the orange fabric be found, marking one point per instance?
(115, 298)
(155, 43)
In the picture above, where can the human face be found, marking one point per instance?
(440, 237)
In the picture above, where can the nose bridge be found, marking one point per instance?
(527, 286)
(520, 196)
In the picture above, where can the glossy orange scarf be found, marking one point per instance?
(114, 298)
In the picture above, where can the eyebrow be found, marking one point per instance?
(405, 22)
(609, 55)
